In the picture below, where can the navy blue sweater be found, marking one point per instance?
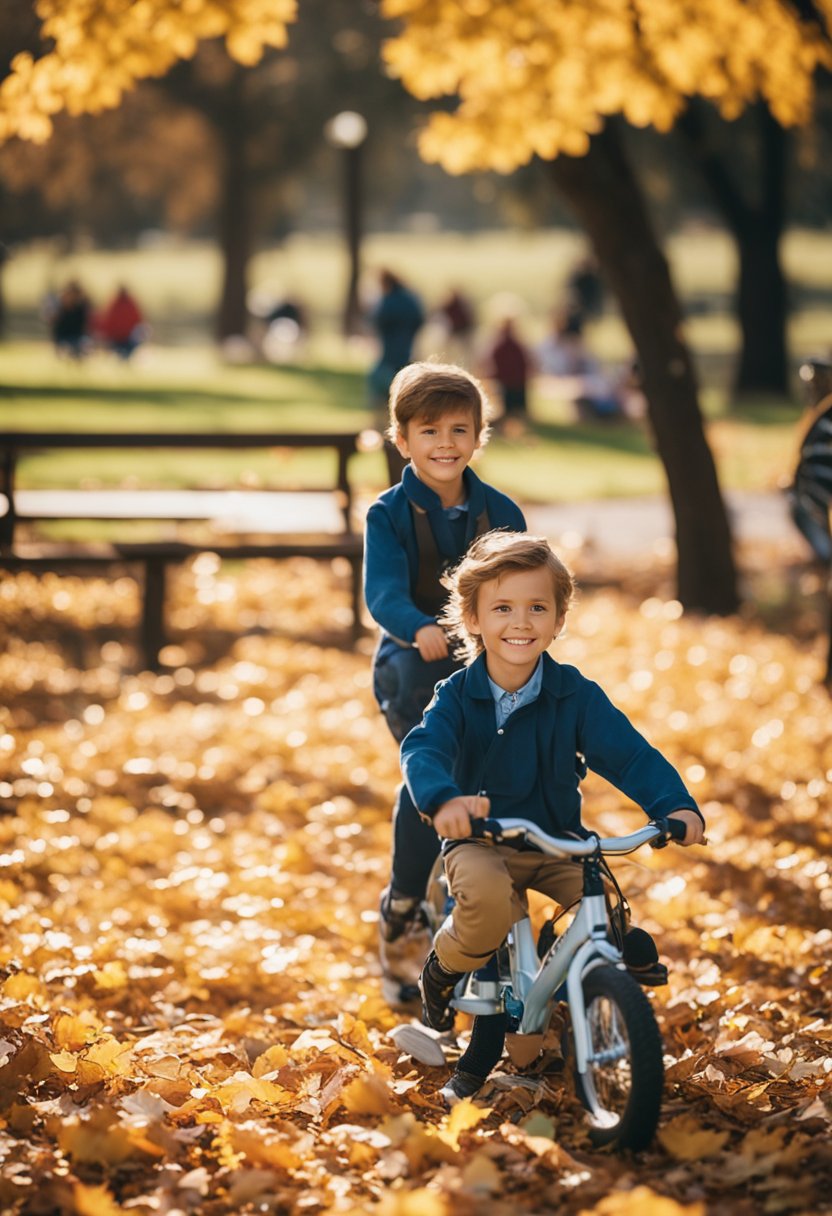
(532, 767)
(391, 554)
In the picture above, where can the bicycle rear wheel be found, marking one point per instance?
(622, 1087)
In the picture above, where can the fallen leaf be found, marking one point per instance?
(94, 1201)
(482, 1176)
(464, 1115)
(687, 1140)
(642, 1201)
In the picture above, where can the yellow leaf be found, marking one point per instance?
(368, 1095)
(273, 1058)
(239, 1091)
(64, 1061)
(642, 1201)
(87, 1073)
(109, 1054)
(101, 1139)
(354, 1032)
(111, 976)
(465, 1115)
(75, 1031)
(260, 1150)
(95, 1201)
(420, 1202)
(374, 1011)
(687, 1140)
(22, 986)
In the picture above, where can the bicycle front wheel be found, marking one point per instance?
(622, 1087)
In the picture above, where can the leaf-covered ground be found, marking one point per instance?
(191, 1018)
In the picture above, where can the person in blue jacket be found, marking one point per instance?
(415, 531)
(512, 734)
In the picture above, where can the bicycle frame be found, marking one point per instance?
(573, 955)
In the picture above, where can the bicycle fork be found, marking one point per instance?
(582, 947)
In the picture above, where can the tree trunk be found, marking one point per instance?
(235, 220)
(762, 312)
(762, 300)
(602, 190)
(757, 228)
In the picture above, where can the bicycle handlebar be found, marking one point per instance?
(656, 833)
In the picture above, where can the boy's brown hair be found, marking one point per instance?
(492, 556)
(428, 390)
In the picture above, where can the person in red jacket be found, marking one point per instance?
(509, 363)
(121, 325)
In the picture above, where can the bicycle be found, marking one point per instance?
(615, 1040)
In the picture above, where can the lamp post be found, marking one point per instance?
(348, 130)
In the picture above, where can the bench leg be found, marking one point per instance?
(153, 613)
(7, 521)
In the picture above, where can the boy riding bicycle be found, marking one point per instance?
(511, 735)
(415, 531)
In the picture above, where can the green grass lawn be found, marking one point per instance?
(178, 283)
(192, 389)
(179, 381)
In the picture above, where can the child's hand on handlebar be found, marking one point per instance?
(431, 643)
(453, 819)
(694, 827)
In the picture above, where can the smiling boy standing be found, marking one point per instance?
(415, 532)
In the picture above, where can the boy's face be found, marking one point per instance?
(517, 619)
(440, 450)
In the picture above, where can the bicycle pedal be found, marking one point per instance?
(478, 996)
(654, 976)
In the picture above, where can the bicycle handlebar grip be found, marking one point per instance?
(484, 829)
(671, 829)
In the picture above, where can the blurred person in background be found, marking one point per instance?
(396, 318)
(563, 356)
(585, 289)
(120, 326)
(456, 316)
(509, 363)
(69, 319)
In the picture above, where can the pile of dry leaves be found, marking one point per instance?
(190, 1009)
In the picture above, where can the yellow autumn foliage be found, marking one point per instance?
(537, 78)
(101, 48)
(245, 1063)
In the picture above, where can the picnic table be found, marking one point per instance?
(268, 523)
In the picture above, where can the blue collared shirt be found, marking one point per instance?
(505, 703)
(457, 518)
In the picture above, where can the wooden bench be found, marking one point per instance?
(243, 523)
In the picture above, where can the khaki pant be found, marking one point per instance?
(488, 882)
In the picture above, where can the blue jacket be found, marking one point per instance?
(391, 555)
(532, 767)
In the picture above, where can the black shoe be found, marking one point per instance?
(641, 958)
(437, 987)
(397, 913)
(461, 1085)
